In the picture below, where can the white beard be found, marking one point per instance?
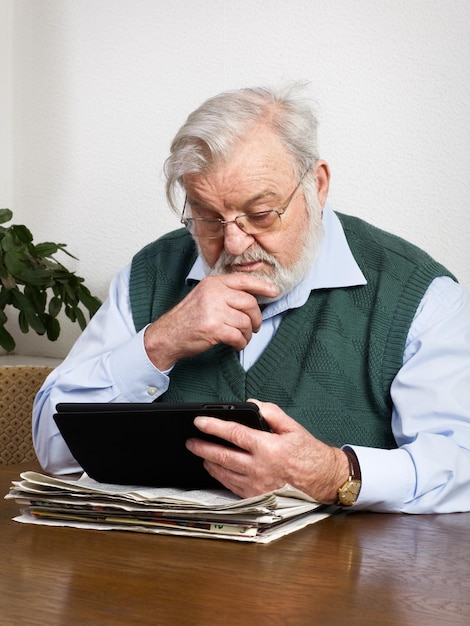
(284, 277)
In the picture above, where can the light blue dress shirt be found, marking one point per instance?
(430, 469)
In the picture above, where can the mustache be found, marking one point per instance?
(253, 254)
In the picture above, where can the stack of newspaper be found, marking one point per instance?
(85, 503)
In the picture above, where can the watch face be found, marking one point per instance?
(349, 492)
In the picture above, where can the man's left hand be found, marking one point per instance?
(266, 461)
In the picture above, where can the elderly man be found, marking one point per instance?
(354, 343)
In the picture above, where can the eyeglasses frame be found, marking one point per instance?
(280, 212)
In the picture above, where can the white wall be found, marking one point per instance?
(5, 103)
(99, 87)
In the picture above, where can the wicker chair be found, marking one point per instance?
(19, 385)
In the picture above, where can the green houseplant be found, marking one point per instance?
(38, 285)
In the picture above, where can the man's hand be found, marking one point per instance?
(267, 461)
(220, 309)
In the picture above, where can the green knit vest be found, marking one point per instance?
(331, 362)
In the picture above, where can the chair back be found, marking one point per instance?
(19, 385)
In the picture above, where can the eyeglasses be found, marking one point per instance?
(250, 223)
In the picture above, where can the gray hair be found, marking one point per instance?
(211, 133)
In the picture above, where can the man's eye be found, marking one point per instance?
(260, 218)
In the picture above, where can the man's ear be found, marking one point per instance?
(322, 173)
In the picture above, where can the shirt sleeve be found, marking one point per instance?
(108, 363)
(429, 472)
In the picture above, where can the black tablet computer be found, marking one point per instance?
(144, 444)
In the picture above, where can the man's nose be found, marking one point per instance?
(236, 241)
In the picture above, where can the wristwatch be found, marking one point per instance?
(349, 492)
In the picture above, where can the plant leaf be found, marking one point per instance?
(46, 249)
(53, 328)
(39, 278)
(3, 271)
(7, 242)
(23, 322)
(54, 307)
(5, 297)
(36, 297)
(19, 300)
(92, 303)
(37, 285)
(80, 318)
(70, 312)
(5, 216)
(35, 321)
(14, 266)
(6, 340)
(62, 246)
(22, 233)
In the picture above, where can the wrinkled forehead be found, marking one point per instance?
(259, 154)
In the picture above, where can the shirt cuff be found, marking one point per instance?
(388, 479)
(134, 374)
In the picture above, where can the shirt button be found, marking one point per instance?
(152, 391)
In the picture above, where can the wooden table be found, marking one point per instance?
(360, 568)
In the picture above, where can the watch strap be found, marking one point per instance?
(349, 491)
(354, 467)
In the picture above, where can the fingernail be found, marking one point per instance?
(200, 422)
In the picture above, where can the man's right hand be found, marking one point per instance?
(220, 309)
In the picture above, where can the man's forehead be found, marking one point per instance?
(261, 172)
(252, 183)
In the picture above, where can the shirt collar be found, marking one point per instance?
(334, 267)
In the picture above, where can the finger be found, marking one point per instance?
(247, 304)
(250, 284)
(241, 323)
(215, 456)
(217, 301)
(277, 419)
(241, 436)
(235, 482)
